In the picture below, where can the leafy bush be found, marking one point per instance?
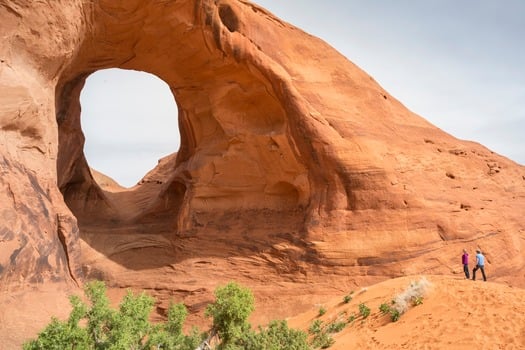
(335, 327)
(169, 335)
(316, 327)
(321, 334)
(348, 298)
(384, 308)
(322, 340)
(364, 310)
(60, 335)
(277, 336)
(322, 311)
(106, 328)
(230, 312)
(394, 315)
(96, 326)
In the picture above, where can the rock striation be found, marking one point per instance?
(296, 173)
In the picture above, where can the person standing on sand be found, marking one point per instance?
(464, 260)
(480, 264)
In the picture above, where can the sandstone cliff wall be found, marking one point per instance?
(285, 145)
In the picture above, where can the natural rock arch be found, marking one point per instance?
(290, 154)
(235, 136)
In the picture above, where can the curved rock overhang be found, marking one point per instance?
(238, 149)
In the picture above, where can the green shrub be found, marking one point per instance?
(230, 312)
(321, 333)
(393, 312)
(277, 336)
(384, 308)
(323, 340)
(335, 327)
(322, 311)
(347, 298)
(96, 326)
(364, 310)
(316, 327)
(394, 315)
(169, 335)
(60, 335)
(106, 328)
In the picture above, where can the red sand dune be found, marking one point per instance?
(455, 314)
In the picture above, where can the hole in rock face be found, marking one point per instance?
(130, 121)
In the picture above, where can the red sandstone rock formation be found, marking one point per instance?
(297, 174)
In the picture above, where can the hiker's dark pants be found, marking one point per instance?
(465, 269)
(482, 268)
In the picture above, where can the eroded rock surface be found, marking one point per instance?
(297, 175)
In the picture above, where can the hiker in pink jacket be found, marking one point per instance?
(464, 260)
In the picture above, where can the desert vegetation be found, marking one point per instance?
(411, 296)
(321, 332)
(94, 325)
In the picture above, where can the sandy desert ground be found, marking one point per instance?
(455, 314)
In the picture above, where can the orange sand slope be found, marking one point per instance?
(455, 314)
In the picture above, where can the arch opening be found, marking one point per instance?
(130, 121)
(115, 159)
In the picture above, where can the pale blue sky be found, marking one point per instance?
(457, 63)
(130, 121)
